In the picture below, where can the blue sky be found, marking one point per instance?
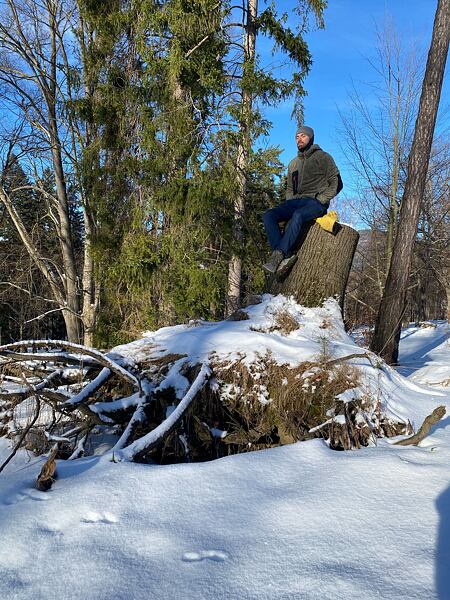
(340, 53)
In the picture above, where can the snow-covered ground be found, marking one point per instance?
(295, 522)
(425, 353)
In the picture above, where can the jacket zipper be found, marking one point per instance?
(300, 178)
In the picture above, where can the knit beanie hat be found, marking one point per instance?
(305, 129)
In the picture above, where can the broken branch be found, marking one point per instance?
(424, 430)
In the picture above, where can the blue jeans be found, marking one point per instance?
(297, 212)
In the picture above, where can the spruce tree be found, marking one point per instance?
(167, 121)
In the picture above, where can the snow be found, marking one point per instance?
(175, 379)
(89, 388)
(228, 340)
(295, 522)
(425, 354)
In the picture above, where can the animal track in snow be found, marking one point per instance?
(216, 555)
(93, 517)
(31, 495)
(51, 531)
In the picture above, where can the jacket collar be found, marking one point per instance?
(309, 151)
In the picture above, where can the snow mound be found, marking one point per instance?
(245, 339)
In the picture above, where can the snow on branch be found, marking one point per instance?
(152, 439)
(89, 389)
(98, 356)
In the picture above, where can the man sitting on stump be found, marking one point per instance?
(313, 180)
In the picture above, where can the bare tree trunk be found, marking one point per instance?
(235, 265)
(91, 291)
(445, 281)
(91, 288)
(72, 316)
(57, 281)
(387, 329)
(38, 52)
(47, 271)
(378, 153)
(447, 291)
(393, 208)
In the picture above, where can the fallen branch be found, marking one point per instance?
(98, 419)
(80, 449)
(24, 434)
(89, 389)
(100, 358)
(137, 419)
(424, 430)
(27, 391)
(56, 357)
(335, 361)
(115, 406)
(157, 435)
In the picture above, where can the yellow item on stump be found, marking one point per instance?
(327, 221)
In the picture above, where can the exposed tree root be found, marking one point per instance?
(48, 472)
(424, 430)
(166, 410)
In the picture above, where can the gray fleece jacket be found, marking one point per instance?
(313, 174)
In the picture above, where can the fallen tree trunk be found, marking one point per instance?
(323, 265)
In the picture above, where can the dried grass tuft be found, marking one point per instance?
(271, 404)
(285, 322)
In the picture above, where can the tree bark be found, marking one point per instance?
(323, 265)
(49, 85)
(447, 292)
(235, 265)
(387, 329)
(424, 430)
(91, 291)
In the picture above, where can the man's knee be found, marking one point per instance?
(297, 215)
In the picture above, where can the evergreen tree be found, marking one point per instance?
(165, 103)
(145, 165)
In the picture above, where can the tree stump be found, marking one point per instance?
(323, 265)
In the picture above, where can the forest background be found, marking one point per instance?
(141, 142)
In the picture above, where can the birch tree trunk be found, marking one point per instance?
(388, 325)
(91, 290)
(447, 291)
(70, 277)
